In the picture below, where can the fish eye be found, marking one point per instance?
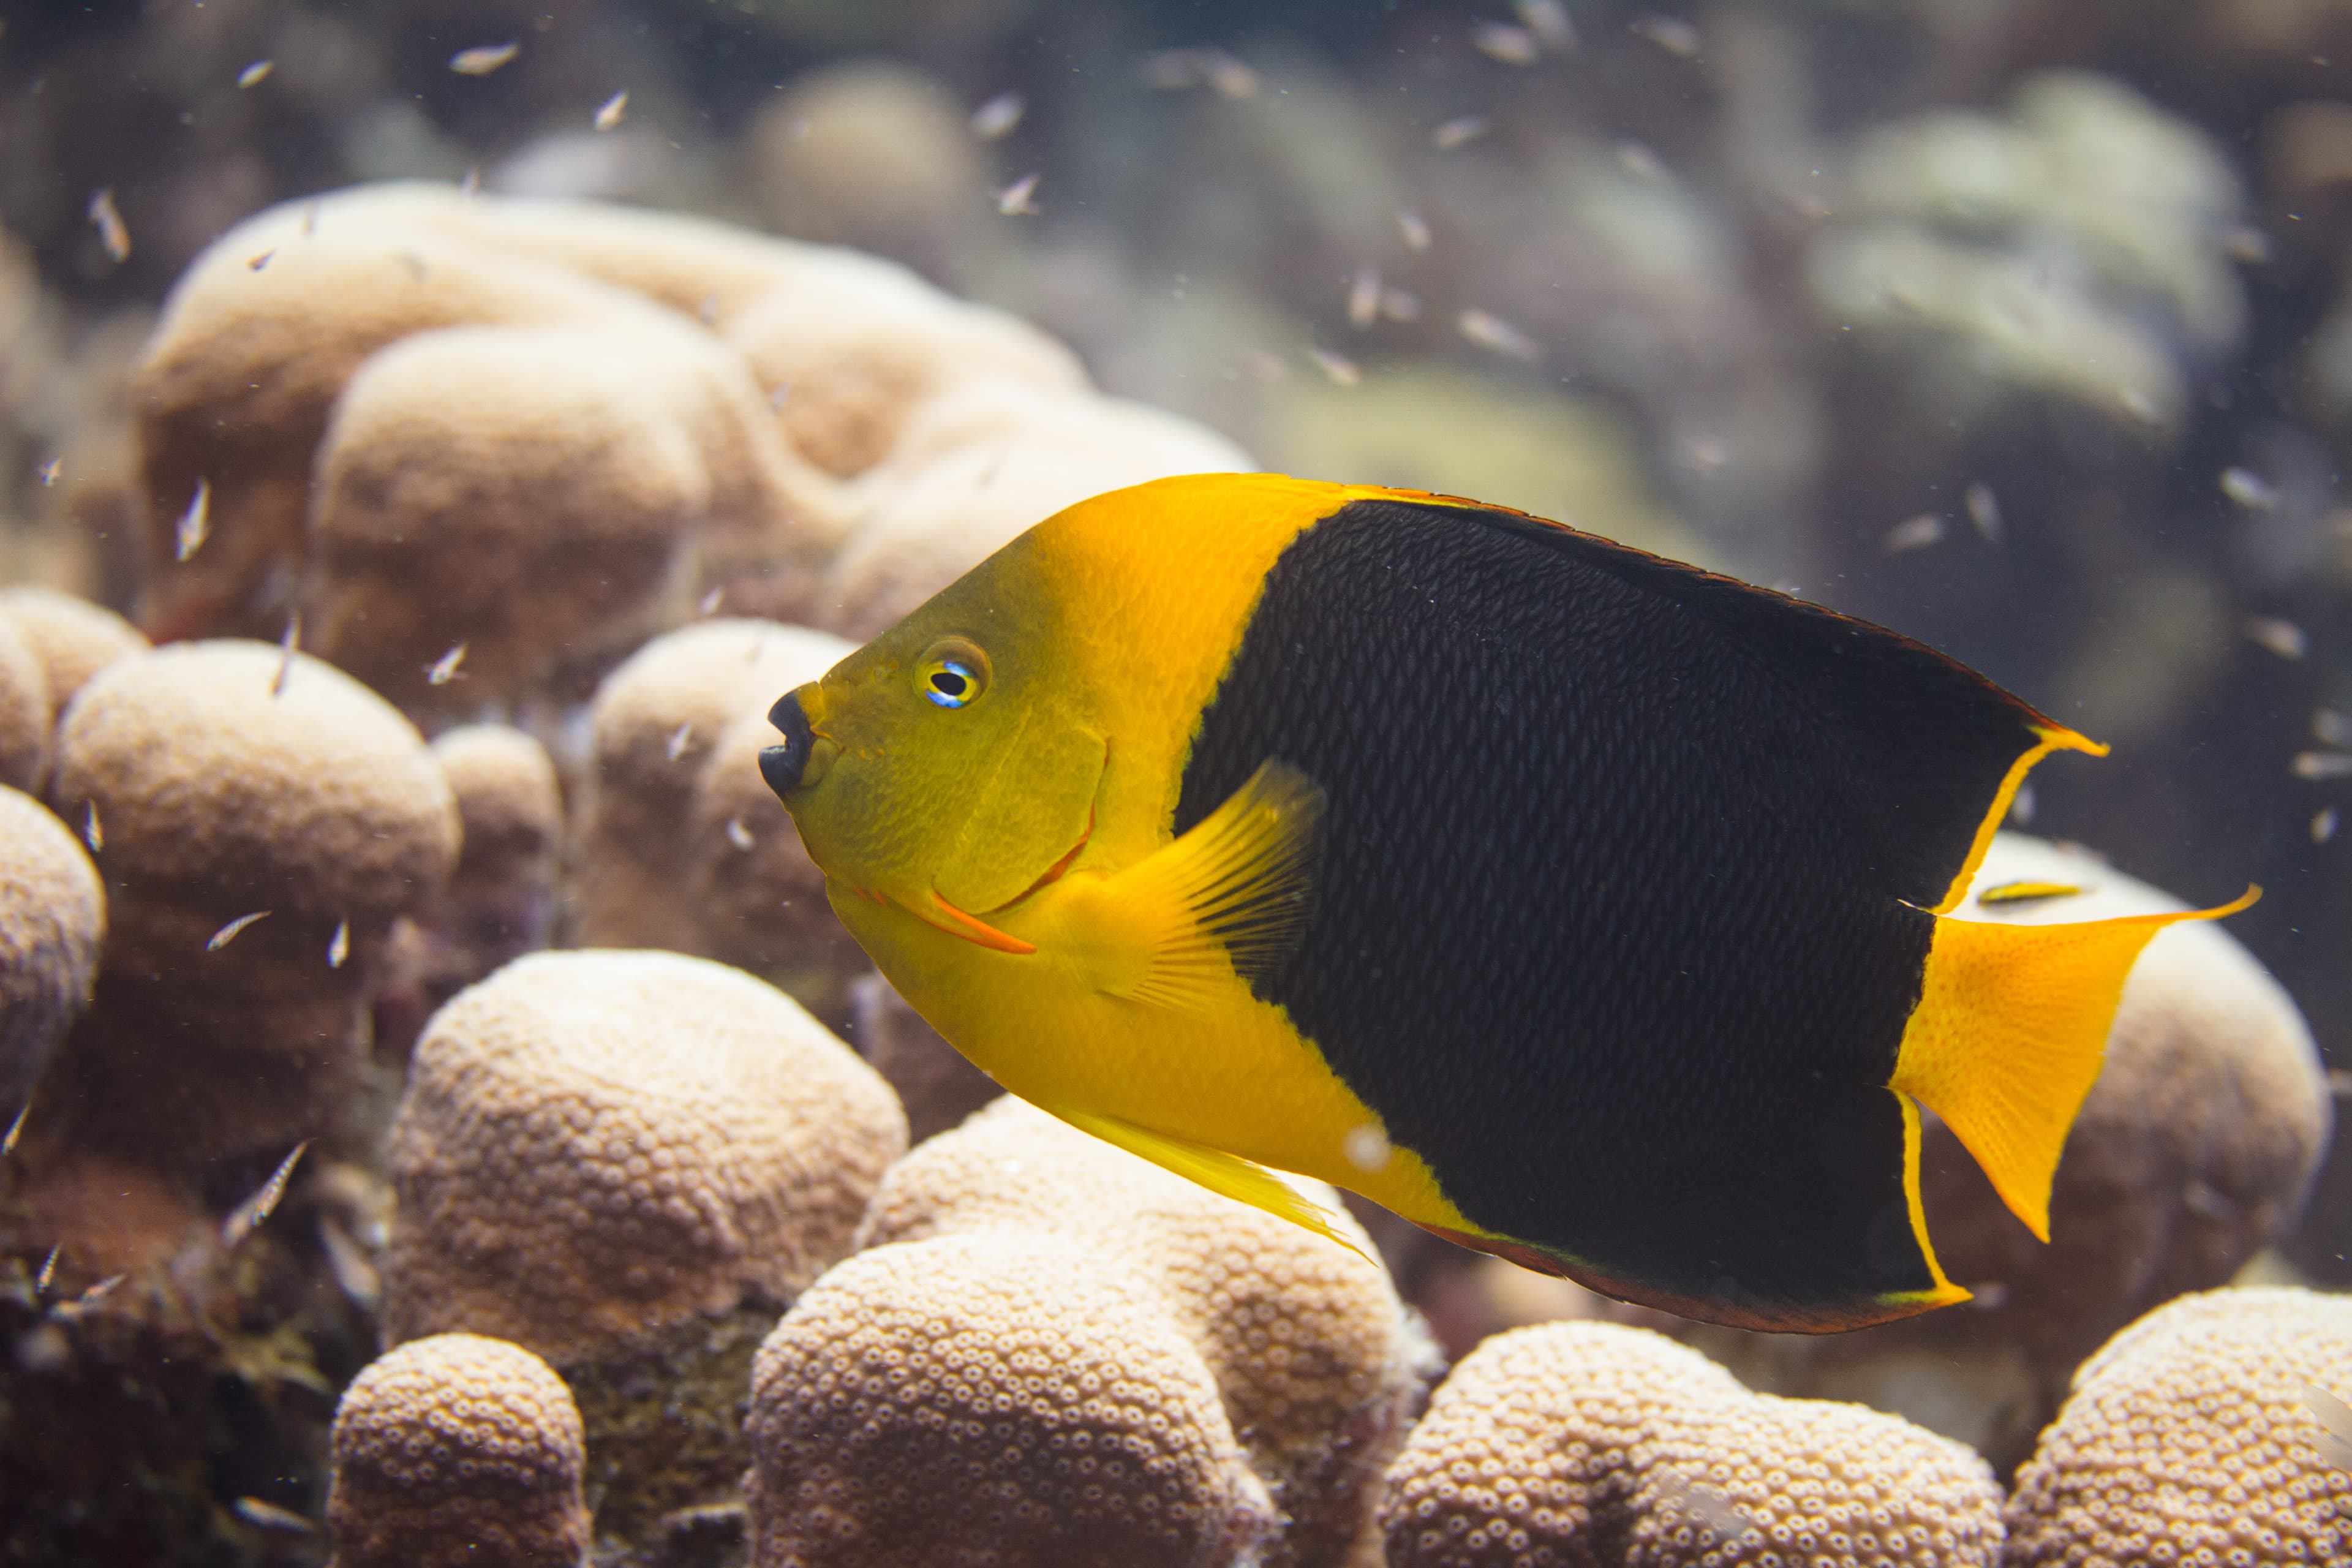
(954, 673)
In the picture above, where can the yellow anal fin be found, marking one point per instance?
(1228, 1175)
(1231, 897)
(2007, 1041)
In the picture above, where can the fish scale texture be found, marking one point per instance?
(458, 1449)
(1594, 1446)
(1607, 905)
(597, 1143)
(2187, 1442)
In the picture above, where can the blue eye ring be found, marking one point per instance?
(953, 674)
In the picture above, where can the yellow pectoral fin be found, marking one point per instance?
(1231, 898)
(2010, 1028)
(1228, 1175)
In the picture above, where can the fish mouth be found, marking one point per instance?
(807, 753)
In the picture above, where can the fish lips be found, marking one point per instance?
(786, 767)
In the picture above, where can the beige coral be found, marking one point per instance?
(2190, 1440)
(1315, 1360)
(26, 713)
(73, 638)
(500, 900)
(1591, 1443)
(248, 362)
(219, 780)
(52, 917)
(458, 1449)
(992, 1397)
(657, 722)
(980, 464)
(593, 1144)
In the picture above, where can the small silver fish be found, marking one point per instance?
(254, 1510)
(609, 112)
(2283, 637)
(188, 535)
(112, 232)
(1460, 132)
(1984, 510)
(339, 946)
(484, 58)
(679, 739)
(1414, 228)
(444, 670)
(1019, 198)
(997, 117)
(228, 933)
(1339, 369)
(1915, 533)
(247, 1216)
(15, 1131)
(1492, 332)
(256, 74)
(1504, 43)
(1364, 297)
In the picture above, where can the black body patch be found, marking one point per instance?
(1611, 927)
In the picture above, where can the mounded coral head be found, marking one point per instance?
(52, 915)
(73, 638)
(458, 1449)
(218, 781)
(595, 1144)
(1315, 1360)
(2190, 1440)
(992, 1397)
(1575, 1442)
(658, 722)
(26, 713)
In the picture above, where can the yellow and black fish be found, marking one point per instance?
(1573, 903)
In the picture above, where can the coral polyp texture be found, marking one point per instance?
(1315, 1364)
(259, 819)
(675, 851)
(458, 1449)
(52, 915)
(73, 638)
(26, 713)
(2192, 1437)
(1575, 1444)
(594, 1144)
(992, 1397)
(543, 431)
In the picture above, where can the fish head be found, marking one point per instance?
(952, 759)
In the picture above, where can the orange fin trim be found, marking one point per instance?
(972, 929)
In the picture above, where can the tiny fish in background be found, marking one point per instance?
(1019, 198)
(1984, 511)
(444, 670)
(1491, 332)
(2283, 637)
(2335, 1418)
(228, 933)
(1432, 850)
(996, 119)
(112, 232)
(1459, 131)
(15, 1131)
(610, 113)
(188, 535)
(1915, 533)
(1338, 369)
(1502, 42)
(484, 58)
(256, 74)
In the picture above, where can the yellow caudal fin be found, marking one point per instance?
(1228, 1175)
(1229, 898)
(2011, 1024)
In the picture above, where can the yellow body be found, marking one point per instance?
(923, 803)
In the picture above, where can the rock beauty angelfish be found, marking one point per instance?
(1576, 904)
